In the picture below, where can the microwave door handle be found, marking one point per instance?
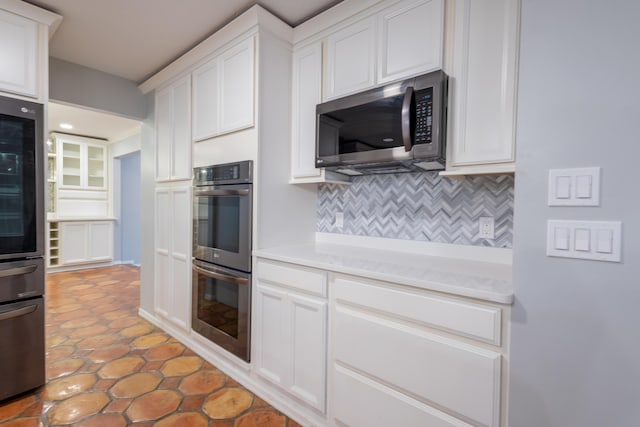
(406, 119)
(220, 276)
(222, 193)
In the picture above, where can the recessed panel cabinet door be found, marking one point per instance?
(163, 294)
(308, 344)
(307, 93)
(410, 39)
(164, 133)
(206, 101)
(181, 148)
(18, 54)
(100, 241)
(483, 84)
(181, 255)
(271, 325)
(73, 242)
(351, 59)
(236, 68)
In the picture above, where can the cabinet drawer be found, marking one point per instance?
(442, 372)
(381, 406)
(464, 318)
(304, 279)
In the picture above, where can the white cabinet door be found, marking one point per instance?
(181, 149)
(173, 131)
(83, 242)
(100, 244)
(223, 92)
(291, 342)
(236, 72)
(181, 255)
(173, 254)
(351, 59)
(483, 82)
(410, 39)
(18, 54)
(206, 101)
(308, 349)
(163, 292)
(307, 93)
(82, 164)
(73, 242)
(164, 133)
(271, 328)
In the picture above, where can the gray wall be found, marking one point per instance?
(77, 85)
(576, 324)
(130, 208)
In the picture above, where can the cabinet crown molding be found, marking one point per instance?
(43, 16)
(254, 19)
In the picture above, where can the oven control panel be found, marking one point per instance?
(228, 173)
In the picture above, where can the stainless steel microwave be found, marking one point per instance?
(398, 127)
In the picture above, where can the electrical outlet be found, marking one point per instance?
(339, 221)
(486, 227)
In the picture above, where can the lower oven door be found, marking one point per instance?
(222, 307)
(22, 337)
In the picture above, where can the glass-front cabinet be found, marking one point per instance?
(81, 164)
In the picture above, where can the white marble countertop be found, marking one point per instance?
(476, 279)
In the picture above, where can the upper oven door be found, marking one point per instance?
(222, 225)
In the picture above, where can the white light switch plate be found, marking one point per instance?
(593, 240)
(574, 187)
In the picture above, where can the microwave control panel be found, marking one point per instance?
(424, 116)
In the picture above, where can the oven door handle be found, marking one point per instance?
(221, 276)
(18, 271)
(17, 313)
(243, 192)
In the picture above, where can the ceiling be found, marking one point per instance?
(90, 123)
(135, 39)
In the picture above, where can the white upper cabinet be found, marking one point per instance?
(206, 98)
(236, 71)
(173, 128)
(307, 93)
(82, 165)
(223, 92)
(483, 79)
(410, 39)
(18, 54)
(351, 59)
(403, 40)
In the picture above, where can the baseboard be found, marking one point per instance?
(239, 371)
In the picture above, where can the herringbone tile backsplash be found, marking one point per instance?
(420, 206)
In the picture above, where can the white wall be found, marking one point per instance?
(576, 324)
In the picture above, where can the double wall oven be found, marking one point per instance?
(21, 246)
(222, 255)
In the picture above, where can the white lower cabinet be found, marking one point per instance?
(290, 323)
(380, 353)
(412, 367)
(173, 254)
(84, 242)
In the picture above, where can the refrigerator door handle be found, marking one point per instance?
(17, 313)
(18, 271)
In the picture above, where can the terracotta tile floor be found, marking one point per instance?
(107, 367)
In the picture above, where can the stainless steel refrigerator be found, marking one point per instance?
(22, 275)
